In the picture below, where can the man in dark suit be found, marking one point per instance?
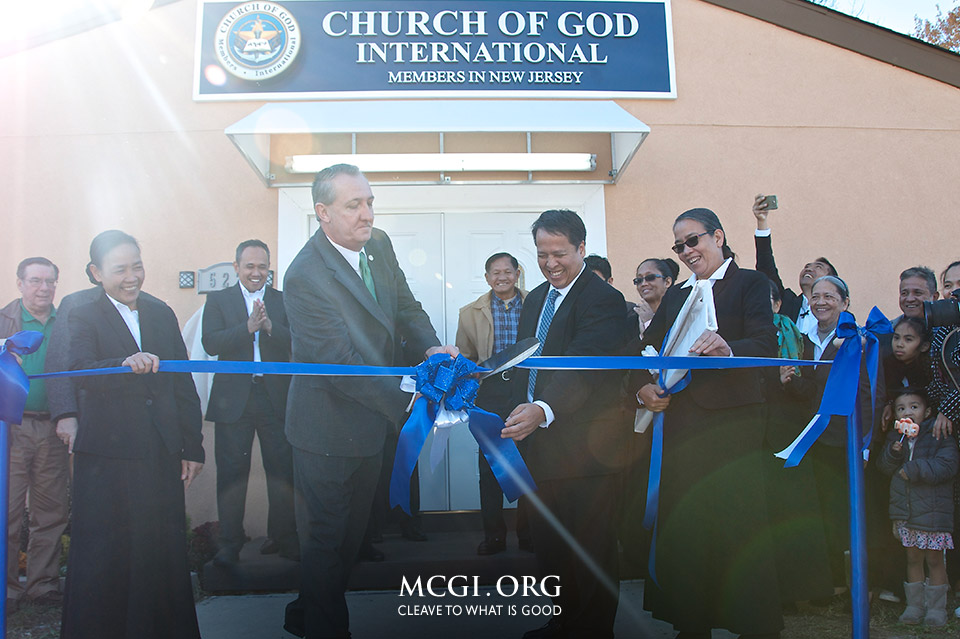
(576, 437)
(794, 306)
(247, 322)
(348, 303)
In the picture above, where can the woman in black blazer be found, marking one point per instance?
(138, 447)
(714, 553)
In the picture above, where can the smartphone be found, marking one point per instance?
(770, 201)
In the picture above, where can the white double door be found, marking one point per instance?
(442, 256)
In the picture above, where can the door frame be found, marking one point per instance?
(295, 208)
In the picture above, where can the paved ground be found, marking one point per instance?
(379, 614)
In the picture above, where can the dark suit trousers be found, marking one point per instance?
(381, 515)
(232, 448)
(491, 506)
(495, 397)
(333, 499)
(586, 509)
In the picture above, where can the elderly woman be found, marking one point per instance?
(714, 551)
(829, 297)
(138, 447)
(654, 277)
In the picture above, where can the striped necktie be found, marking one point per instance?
(367, 275)
(543, 328)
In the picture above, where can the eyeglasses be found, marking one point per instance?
(35, 282)
(649, 277)
(690, 242)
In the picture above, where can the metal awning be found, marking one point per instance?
(269, 136)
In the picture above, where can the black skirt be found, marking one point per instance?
(127, 572)
(793, 504)
(715, 563)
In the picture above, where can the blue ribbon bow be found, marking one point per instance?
(14, 383)
(442, 378)
(653, 479)
(840, 397)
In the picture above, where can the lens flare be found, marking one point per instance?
(215, 75)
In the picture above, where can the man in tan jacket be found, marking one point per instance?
(487, 326)
(38, 458)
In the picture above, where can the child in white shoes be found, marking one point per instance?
(921, 505)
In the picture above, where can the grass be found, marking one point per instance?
(34, 622)
(836, 621)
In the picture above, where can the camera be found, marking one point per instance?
(945, 312)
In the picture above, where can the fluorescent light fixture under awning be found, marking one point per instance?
(447, 162)
(564, 122)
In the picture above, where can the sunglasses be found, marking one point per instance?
(690, 242)
(649, 277)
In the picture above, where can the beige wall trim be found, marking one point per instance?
(856, 35)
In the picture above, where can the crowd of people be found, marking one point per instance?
(738, 541)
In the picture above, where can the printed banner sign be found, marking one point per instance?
(308, 49)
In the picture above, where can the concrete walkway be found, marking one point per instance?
(383, 615)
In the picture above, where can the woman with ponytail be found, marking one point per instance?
(714, 551)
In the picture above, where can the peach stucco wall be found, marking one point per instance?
(99, 131)
(863, 156)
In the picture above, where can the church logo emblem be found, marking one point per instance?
(257, 40)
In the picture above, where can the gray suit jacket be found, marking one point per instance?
(334, 320)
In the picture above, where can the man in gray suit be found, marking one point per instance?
(348, 303)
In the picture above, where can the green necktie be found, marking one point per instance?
(367, 275)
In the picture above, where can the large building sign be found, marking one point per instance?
(307, 49)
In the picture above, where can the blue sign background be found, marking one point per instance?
(327, 65)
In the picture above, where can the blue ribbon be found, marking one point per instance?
(247, 368)
(14, 387)
(14, 383)
(656, 467)
(502, 455)
(840, 393)
(704, 362)
(347, 370)
(453, 382)
(877, 324)
(412, 437)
